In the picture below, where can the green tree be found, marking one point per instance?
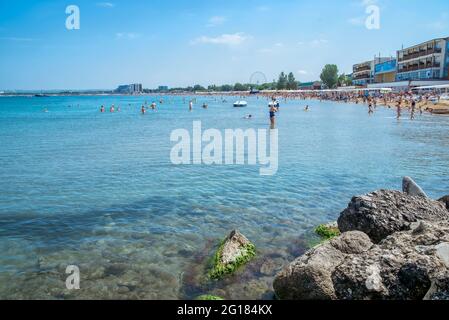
(282, 82)
(329, 75)
(291, 82)
(344, 80)
(197, 87)
(240, 87)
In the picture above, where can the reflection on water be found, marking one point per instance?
(98, 191)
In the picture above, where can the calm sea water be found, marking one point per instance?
(99, 191)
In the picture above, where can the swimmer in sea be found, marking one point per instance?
(249, 117)
(102, 110)
(112, 110)
(190, 105)
(205, 106)
(143, 110)
(307, 108)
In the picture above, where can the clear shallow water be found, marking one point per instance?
(99, 191)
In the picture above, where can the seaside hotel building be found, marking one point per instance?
(363, 73)
(425, 61)
(419, 65)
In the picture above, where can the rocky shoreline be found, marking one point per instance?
(394, 246)
(386, 245)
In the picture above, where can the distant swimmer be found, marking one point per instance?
(307, 108)
(190, 105)
(112, 110)
(119, 109)
(249, 117)
(102, 109)
(45, 110)
(370, 109)
(143, 110)
(153, 106)
(205, 106)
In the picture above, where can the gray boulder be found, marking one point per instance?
(381, 213)
(445, 200)
(405, 266)
(310, 276)
(411, 188)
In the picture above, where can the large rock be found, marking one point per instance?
(407, 265)
(310, 276)
(235, 251)
(411, 188)
(381, 213)
(445, 200)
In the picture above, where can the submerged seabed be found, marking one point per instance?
(99, 191)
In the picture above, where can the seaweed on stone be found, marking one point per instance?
(327, 232)
(220, 269)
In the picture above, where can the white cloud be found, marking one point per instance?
(225, 39)
(313, 43)
(216, 21)
(128, 35)
(302, 72)
(105, 4)
(357, 21)
(366, 3)
(318, 42)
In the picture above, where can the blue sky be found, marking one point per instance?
(180, 43)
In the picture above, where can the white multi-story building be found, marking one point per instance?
(130, 88)
(363, 73)
(425, 61)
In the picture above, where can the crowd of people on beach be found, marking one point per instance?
(399, 101)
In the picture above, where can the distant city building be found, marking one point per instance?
(163, 88)
(130, 88)
(425, 61)
(385, 71)
(363, 73)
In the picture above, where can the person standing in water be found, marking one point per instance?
(412, 110)
(273, 111)
(190, 105)
(370, 108)
(112, 110)
(102, 110)
(398, 109)
(143, 110)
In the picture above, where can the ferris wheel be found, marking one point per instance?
(257, 78)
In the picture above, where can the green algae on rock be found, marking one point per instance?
(235, 251)
(328, 231)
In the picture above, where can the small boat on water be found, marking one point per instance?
(240, 104)
(440, 111)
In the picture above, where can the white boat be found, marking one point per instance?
(240, 104)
